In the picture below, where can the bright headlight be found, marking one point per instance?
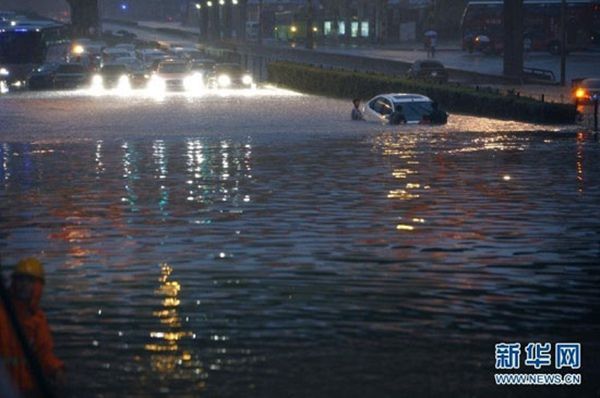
(193, 82)
(123, 83)
(224, 81)
(247, 80)
(156, 83)
(78, 49)
(97, 80)
(4, 72)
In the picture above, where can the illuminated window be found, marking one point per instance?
(364, 29)
(327, 28)
(354, 28)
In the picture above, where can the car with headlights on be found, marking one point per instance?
(584, 90)
(112, 76)
(399, 108)
(231, 75)
(4, 74)
(175, 75)
(204, 67)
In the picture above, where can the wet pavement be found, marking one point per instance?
(260, 243)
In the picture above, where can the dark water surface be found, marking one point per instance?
(294, 261)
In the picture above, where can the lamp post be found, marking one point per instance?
(310, 37)
(563, 42)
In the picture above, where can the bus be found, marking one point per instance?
(482, 27)
(27, 44)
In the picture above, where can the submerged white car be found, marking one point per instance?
(404, 108)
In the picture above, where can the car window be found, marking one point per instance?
(228, 69)
(114, 69)
(385, 106)
(70, 69)
(414, 111)
(375, 105)
(172, 68)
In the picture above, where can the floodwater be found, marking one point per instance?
(263, 245)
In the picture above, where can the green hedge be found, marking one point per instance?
(460, 99)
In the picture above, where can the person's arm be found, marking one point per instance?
(44, 345)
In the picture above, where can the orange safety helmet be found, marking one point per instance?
(31, 267)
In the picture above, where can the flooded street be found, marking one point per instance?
(261, 244)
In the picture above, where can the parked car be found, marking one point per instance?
(400, 107)
(584, 90)
(58, 76)
(231, 75)
(428, 69)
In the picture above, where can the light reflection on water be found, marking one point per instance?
(219, 265)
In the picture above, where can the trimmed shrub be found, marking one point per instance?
(460, 99)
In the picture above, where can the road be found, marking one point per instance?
(261, 244)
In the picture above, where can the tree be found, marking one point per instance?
(85, 18)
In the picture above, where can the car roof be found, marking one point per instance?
(404, 97)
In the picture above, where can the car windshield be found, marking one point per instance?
(203, 65)
(229, 69)
(70, 69)
(172, 68)
(414, 111)
(114, 69)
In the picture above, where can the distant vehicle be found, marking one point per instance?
(125, 34)
(139, 75)
(28, 44)
(58, 76)
(188, 53)
(206, 67)
(126, 46)
(110, 54)
(428, 69)
(173, 75)
(4, 73)
(414, 108)
(71, 76)
(231, 75)
(482, 25)
(112, 76)
(42, 78)
(584, 90)
(152, 55)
